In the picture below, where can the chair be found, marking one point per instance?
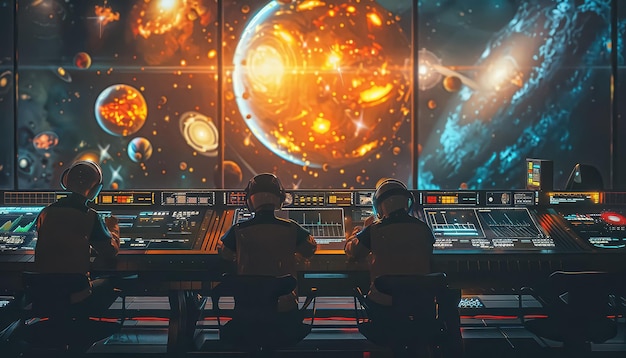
(578, 306)
(53, 320)
(423, 317)
(256, 325)
(584, 177)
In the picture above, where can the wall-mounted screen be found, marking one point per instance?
(326, 94)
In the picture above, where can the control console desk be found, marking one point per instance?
(483, 238)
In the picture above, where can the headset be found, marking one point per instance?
(78, 178)
(387, 189)
(264, 183)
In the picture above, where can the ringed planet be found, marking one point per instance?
(200, 133)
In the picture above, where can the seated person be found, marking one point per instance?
(266, 244)
(398, 242)
(69, 232)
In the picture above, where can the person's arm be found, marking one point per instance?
(307, 247)
(357, 246)
(226, 246)
(105, 237)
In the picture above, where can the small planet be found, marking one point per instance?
(452, 83)
(233, 176)
(90, 155)
(45, 140)
(6, 80)
(121, 110)
(200, 133)
(63, 74)
(82, 60)
(139, 149)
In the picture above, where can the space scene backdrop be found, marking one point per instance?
(441, 94)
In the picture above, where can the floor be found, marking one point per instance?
(491, 328)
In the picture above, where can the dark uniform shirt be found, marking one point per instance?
(399, 244)
(267, 245)
(266, 217)
(67, 231)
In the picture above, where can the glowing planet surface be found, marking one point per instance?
(121, 110)
(82, 60)
(322, 85)
(45, 140)
(200, 133)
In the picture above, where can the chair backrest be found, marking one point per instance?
(414, 297)
(396, 253)
(584, 293)
(51, 293)
(266, 250)
(255, 295)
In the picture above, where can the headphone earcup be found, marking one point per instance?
(64, 178)
(93, 193)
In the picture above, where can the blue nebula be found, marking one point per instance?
(532, 74)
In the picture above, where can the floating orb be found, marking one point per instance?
(427, 74)
(45, 140)
(121, 110)
(233, 176)
(139, 149)
(200, 133)
(63, 74)
(82, 60)
(25, 163)
(183, 165)
(6, 82)
(396, 150)
(115, 185)
(452, 83)
(432, 104)
(315, 88)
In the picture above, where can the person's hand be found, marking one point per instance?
(366, 223)
(369, 221)
(111, 221)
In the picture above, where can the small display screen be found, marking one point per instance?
(485, 229)
(159, 229)
(604, 228)
(326, 225)
(18, 227)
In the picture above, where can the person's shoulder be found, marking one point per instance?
(71, 202)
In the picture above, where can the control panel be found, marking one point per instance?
(464, 221)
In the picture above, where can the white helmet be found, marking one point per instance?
(264, 189)
(391, 195)
(83, 177)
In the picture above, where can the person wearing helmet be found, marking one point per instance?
(398, 242)
(70, 232)
(266, 244)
